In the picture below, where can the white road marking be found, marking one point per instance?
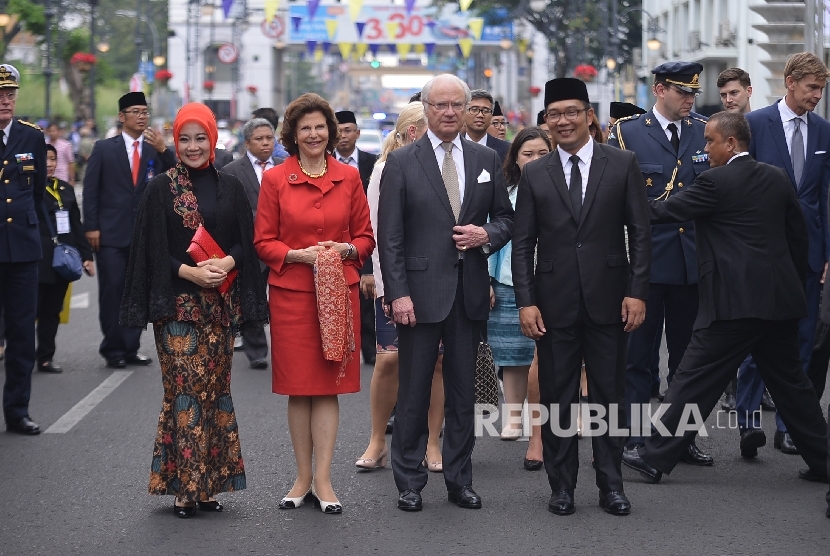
(83, 407)
(79, 301)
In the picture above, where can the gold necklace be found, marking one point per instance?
(309, 174)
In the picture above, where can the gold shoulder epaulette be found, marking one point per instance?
(702, 120)
(621, 120)
(30, 124)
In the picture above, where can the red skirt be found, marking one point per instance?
(297, 348)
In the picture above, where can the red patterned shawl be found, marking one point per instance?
(334, 309)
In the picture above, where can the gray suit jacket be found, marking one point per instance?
(244, 170)
(418, 256)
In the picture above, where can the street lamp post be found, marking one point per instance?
(48, 14)
(92, 5)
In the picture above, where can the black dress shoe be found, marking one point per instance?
(562, 502)
(259, 364)
(766, 402)
(729, 402)
(784, 442)
(465, 497)
(116, 363)
(631, 458)
(138, 359)
(694, 456)
(24, 425)
(813, 476)
(751, 440)
(184, 511)
(615, 503)
(212, 506)
(410, 501)
(533, 464)
(48, 367)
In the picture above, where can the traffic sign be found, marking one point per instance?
(227, 53)
(273, 29)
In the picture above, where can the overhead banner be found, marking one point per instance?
(387, 25)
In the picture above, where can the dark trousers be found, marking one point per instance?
(750, 383)
(821, 359)
(49, 305)
(709, 365)
(561, 351)
(679, 305)
(18, 299)
(255, 342)
(119, 342)
(368, 343)
(417, 354)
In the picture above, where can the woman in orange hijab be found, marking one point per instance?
(196, 310)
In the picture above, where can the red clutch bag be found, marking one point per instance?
(202, 248)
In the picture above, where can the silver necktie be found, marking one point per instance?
(797, 152)
(450, 175)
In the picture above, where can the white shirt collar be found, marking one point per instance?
(436, 142)
(736, 155)
(254, 160)
(482, 141)
(345, 157)
(129, 140)
(787, 114)
(664, 122)
(585, 154)
(6, 131)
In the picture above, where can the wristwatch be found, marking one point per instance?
(348, 253)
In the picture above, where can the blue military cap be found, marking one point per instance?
(684, 75)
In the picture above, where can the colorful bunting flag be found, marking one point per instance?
(360, 50)
(331, 28)
(374, 48)
(345, 49)
(466, 45)
(295, 22)
(310, 46)
(354, 8)
(271, 7)
(403, 50)
(326, 47)
(359, 25)
(464, 4)
(410, 5)
(312, 8)
(430, 48)
(392, 29)
(476, 25)
(226, 7)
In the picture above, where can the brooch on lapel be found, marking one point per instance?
(648, 182)
(648, 121)
(292, 177)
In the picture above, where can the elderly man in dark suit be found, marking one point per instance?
(477, 119)
(346, 151)
(116, 176)
(443, 209)
(584, 295)
(258, 134)
(23, 173)
(789, 135)
(751, 233)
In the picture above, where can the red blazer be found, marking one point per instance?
(295, 212)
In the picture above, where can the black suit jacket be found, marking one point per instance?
(751, 241)
(415, 228)
(75, 237)
(245, 171)
(501, 147)
(222, 158)
(110, 198)
(587, 258)
(22, 182)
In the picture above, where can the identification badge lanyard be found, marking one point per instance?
(61, 215)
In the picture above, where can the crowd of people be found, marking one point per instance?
(569, 249)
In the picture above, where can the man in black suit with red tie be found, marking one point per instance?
(752, 248)
(116, 176)
(581, 295)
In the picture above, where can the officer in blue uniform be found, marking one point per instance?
(668, 141)
(22, 183)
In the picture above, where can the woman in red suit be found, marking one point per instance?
(309, 204)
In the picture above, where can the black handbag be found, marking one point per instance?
(486, 383)
(66, 260)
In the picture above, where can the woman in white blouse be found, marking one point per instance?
(383, 393)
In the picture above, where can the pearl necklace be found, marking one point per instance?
(309, 174)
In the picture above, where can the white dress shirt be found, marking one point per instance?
(353, 163)
(736, 155)
(585, 154)
(457, 157)
(482, 141)
(788, 119)
(128, 142)
(6, 131)
(258, 167)
(664, 123)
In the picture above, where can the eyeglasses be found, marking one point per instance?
(444, 106)
(681, 92)
(138, 113)
(474, 110)
(8, 96)
(570, 115)
(498, 124)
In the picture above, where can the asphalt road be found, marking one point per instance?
(84, 491)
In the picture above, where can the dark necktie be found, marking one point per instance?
(348, 160)
(797, 152)
(675, 138)
(2, 142)
(575, 188)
